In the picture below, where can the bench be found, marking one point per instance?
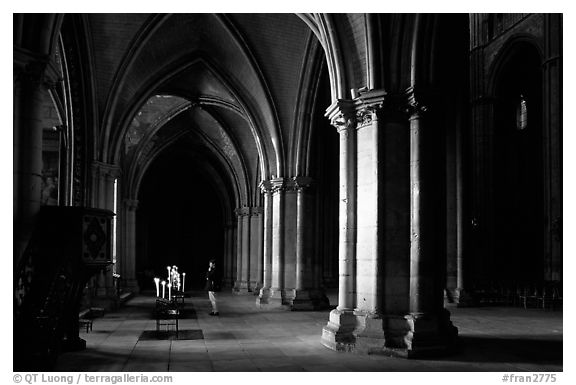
(84, 320)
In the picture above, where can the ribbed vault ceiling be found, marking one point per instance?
(240, 74)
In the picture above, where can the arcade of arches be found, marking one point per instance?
(405, 160)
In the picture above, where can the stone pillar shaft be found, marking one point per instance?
(233, 251)
(228, 253)
(347, 236)
(307, 293)
(369, 278)
(421, 271)
(255, 261)
(278, 196)
(264, 295)
(128, 272)
(239, 248)
(338, 333)
(28, 127)
(300, 262)
(267, 240)
(552, 116)
(249, 248)
(462, 246)
(103, 177)
(245, 270)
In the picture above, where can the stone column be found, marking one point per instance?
(245, 266)
(461, 294)
(289, 224)
(370, 225)
(303, 297)
(278, 195)
(430, 328)
(264, 296)
(228, 253)
(552, 114)
(255, 256)
(226, 256)
(103, 177)
(239, 249)
(481, 233)
(28, 125)
(338, 333)
(128, 272)
(233, 251)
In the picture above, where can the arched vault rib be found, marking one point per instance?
(273, 127)
(136, 47)
(249, 198)
(307, 90)
(234, 178)
(237, 150)
(158, 83)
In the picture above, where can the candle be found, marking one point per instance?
(163, 289)
(183, 281)
(169, 292)
(168, 267)
(157, 282)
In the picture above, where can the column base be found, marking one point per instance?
(255, 287)
(370, 337)
(273, 299)
(338, 334)
(309, 300)
(263, 297)
(463, 298)
(131, 285)
(423, 335)
(302, 301)
(241, 287)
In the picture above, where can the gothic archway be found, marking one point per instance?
(518, 185)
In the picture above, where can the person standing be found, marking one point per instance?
(213, 285)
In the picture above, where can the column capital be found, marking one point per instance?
(101, 169)
(368, 104)
(255, 211)
(302, 182)
(278, 185)
(35, 69)
(342, 114)
(265, 186)
(242, 211)
(130, 204)
(417, 102)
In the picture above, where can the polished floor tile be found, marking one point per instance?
(246, 338)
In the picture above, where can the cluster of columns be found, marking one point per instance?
(32, 79)
(103, 179)
(127, 264)
(249, 249)
(391, 280)
(291, 275)
(230, 239)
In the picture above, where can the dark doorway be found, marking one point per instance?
(518, 168)
(179, 221)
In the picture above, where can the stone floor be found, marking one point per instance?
(244, 338)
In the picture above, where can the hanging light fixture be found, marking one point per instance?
(521, 114)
